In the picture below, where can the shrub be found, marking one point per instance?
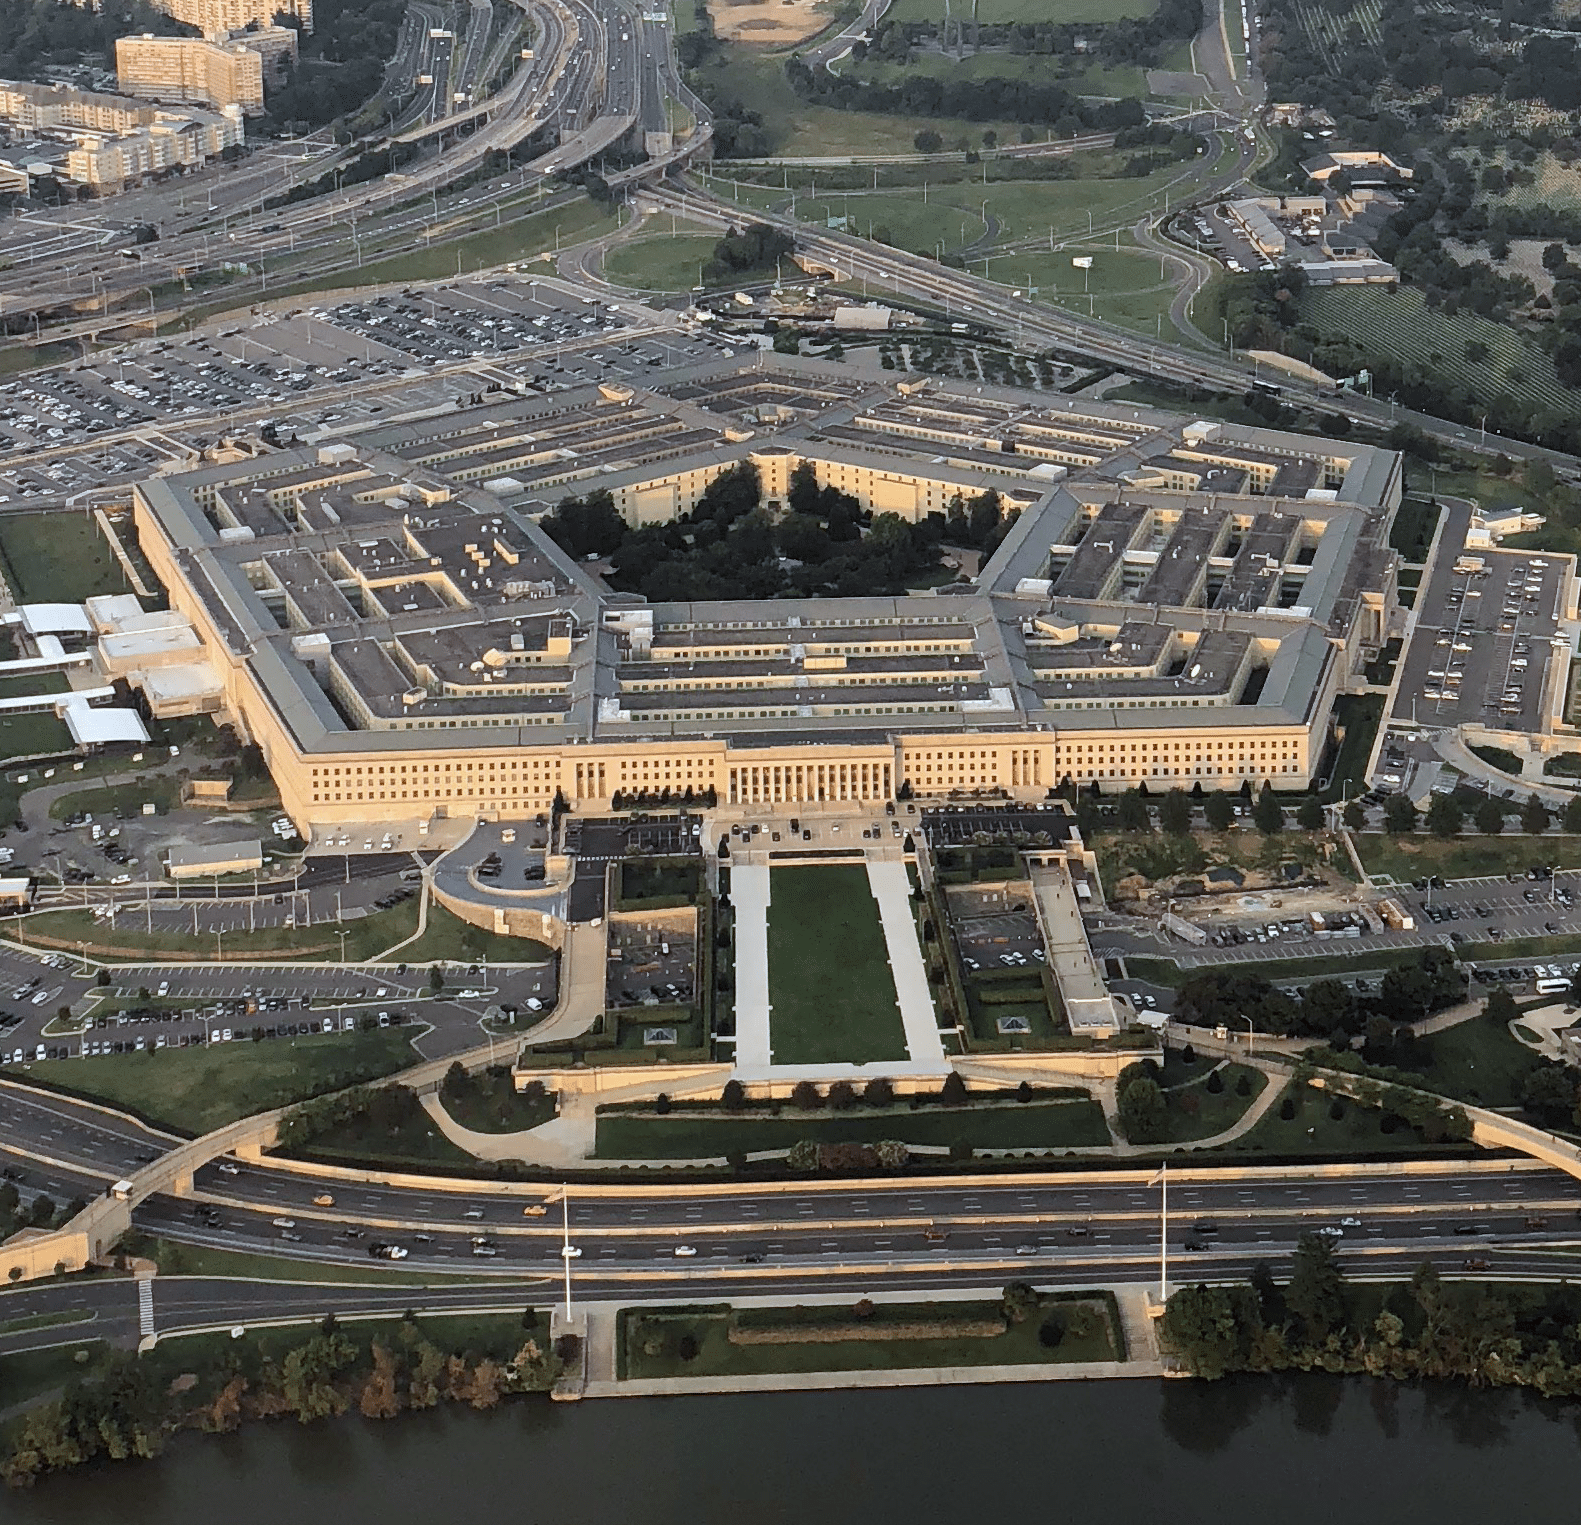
(807, 1096)
(878, 1092)
(734, 1095)
(1215, 1082)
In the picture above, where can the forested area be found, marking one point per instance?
(34, 33)
(1487, 1335)
(130, 1408)
(824, 544)
(342, 61)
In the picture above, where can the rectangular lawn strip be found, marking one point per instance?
(1405, 858)
(655, 1343)
(1073, 1123)
(367, 936)
(175, 1259)
(61, 557)
(193, 1090)
(448, 937)
(830, 988)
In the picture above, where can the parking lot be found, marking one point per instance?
(138, 407)
(1482, 643)
(649, 964)
(1007, 939)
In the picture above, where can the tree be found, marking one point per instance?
(879, 1092)
(1399, 815)
(806, 1095)
(1143, 1112)
(1208, 1327)
(1500, 1007)
(1309, 814)
(842, 1095)
(436, 978)
(1489, 817)
(1550, 1092)
(1174, 813)
(1316, 1293)
(1355, 815)
(1018, 1302)
(1572, 815)
(1267, 813)
(734, 1096)
(1219, 812)
(1444, 816)
(953, 1092)
(927, 141)
(1132, 812)
(1534, 816)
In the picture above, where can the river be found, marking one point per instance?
(1291, 1451)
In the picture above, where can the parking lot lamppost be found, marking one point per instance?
(342, 934)
(1251, 1035)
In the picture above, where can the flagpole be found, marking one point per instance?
(1163, 1236)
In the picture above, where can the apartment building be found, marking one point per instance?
(190, 70)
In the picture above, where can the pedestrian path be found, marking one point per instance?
(749, 895)
(891, 888)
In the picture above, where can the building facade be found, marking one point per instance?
(190, 70)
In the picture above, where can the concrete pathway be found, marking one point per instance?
(892, 890)
(749, 895)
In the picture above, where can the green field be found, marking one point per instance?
(1467, 857)
(1080, 79)
(651, 1340)
(1479, 1062)
(61, 557)
(193, 1090)
(119, 799)
(1399, 323)
(1315, 1131)
(449, 939)
(660, 262)
(1060, 12)
(797, 128)
(366, 937)
(1196, 1112)
(33, 735)
(830, 988)
(715, 1134)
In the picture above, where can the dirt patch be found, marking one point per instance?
(768, 23)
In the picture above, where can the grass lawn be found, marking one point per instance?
(120, 799)
(649, 1340)
(450, 939)
(193, 1090)
(798, 128)
(417, 1143)
(1480, 1062)
(1057, 11)
(660, 262)
(1314, 1131)
(830, 988)
(1344, 960)
(1357, 717)
(25, 685)
(31, 1374)
(41, 733)
(1466, 857)
(1196, 1112)
(174, 1259)
(367, 936)
(1412, 532)
(1501, 758)
(1043, 69)
(60, 557)
(714, 1134)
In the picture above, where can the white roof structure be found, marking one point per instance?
(181, 681)
(173, 643)
(56, 619)
(215, 858)
(93, 727)
(111, 611)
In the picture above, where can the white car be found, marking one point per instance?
(684, 1251)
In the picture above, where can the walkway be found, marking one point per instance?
(891, 888)
(749, 895)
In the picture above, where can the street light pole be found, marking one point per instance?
(1251, 1034)
(565, 1245)
(1162, 1178)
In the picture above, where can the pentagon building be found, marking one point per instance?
(1178, 602)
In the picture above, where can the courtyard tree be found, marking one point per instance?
(1268, 814)
(1444, 816)
(1132, 812)
(1309, 814)
(1355, 815)
(806, 1095)
(1219, 812)
(1534, 816)
(1174, 813)
(1489, 816)
(1399, 815)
